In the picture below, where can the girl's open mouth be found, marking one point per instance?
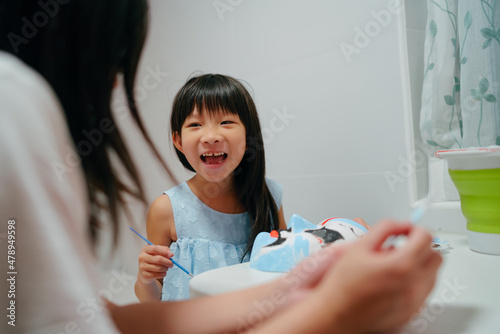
(213, 158)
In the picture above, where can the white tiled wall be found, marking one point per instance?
(335, 119)
(339, 124)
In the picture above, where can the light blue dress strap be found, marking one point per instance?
(276, 190)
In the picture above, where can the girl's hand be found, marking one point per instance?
(154, 261)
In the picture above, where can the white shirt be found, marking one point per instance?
(42, 189)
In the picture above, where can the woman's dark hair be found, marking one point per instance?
(214, 93)
(79, 47)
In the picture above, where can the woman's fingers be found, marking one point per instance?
(417, 248)
(312, 269)
(377, 236)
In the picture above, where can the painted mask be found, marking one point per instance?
(281, 250)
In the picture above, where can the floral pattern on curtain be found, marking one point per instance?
(461, 90)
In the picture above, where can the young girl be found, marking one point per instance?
(211, 220)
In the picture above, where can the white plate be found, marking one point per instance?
(227, 279)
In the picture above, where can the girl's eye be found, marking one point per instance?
(193, 125)
(226, 122)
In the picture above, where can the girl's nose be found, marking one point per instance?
(211, 137)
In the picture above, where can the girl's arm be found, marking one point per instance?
(154, 261)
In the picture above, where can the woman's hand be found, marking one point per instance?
(374, 288)
(361, 286)
(154, 262)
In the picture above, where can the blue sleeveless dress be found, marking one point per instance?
(206, 239)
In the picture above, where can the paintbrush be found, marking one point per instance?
(171, 259)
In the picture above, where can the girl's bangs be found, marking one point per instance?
(215, 98)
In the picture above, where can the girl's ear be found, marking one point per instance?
(176, 138)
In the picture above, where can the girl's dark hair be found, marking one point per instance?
(79, 47)
(214, 93)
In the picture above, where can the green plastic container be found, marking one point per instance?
(476, 175)
(479, 192)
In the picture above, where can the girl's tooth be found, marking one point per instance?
(212, 154)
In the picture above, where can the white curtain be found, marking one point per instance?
(461, 90)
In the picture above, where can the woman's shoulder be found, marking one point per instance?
(19, 80)
(31, 110)
(34, 129)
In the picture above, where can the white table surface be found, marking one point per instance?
(466, 298)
